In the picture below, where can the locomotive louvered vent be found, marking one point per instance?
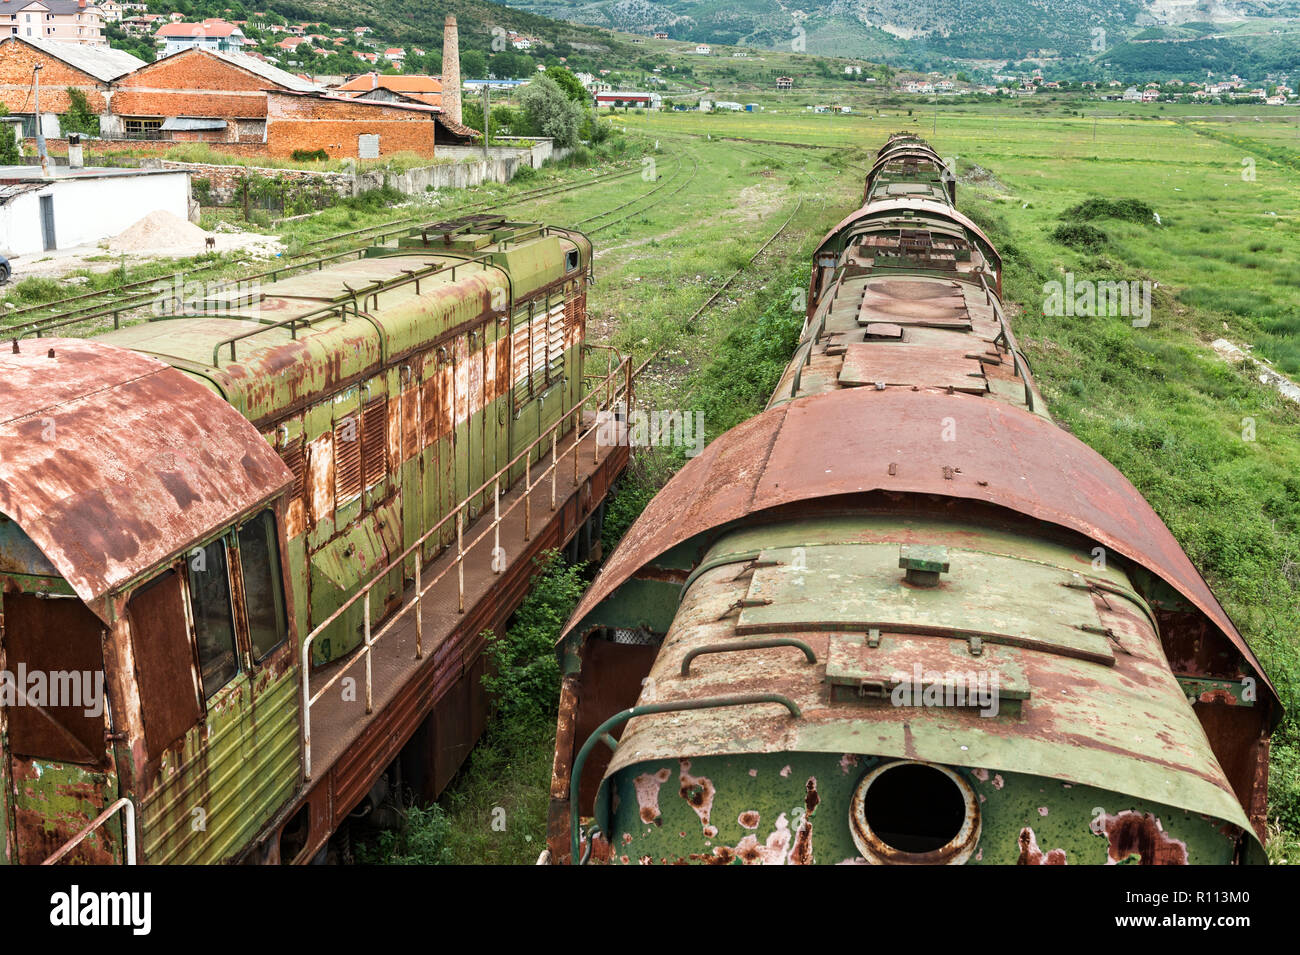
(347, 459)
(374, 441)
(295, 459)
(555, 342)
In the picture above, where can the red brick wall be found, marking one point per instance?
(310, 122)
(102, 147)
(191, 84)
(16, 63)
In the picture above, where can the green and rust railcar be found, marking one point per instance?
(900, 617)
(183, 502)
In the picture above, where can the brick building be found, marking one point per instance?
(198, 95)
(364, 129)
(394, 89)
(68, 21)
(90, 69)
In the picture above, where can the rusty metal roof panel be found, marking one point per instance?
(925, 366)
(860, 440)
(113, 462)
(922, 207)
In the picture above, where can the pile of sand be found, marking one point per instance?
(160, 231)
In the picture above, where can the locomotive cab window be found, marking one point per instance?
(259, 565)
(571, 259)
(213, 613)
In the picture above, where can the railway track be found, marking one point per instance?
(717, 293)
(114, 304)
(609, 225)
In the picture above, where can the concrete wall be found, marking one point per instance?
(225, 180)
(87, 210)
(470, 169)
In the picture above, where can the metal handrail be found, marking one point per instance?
(122, 805)
(736, 646)
(601, 734)
(1005, 335)
(623, 370)
(407, 277)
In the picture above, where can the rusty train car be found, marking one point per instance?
(902, 618)
(249, 551)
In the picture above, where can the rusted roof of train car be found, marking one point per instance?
(111, 461)
(861, 440)
(911, 204)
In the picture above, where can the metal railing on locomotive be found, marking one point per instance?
(123, 805)
(615, 385)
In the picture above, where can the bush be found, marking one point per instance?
(524, 676)
(1076, 235)
(1131, 210)
(202, 189)
(309, 155)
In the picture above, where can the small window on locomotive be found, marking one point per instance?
(213, 613)
(571, 260)
(164, 662)
(259, 563)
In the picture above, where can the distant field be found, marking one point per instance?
(1227, 245)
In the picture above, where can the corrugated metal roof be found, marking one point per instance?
(114, 462)
(190, 123)
(265, 70)
(101, 62)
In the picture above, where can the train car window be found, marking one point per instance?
(164, 662)
(259, 564)
(213, 612)
(56, 709)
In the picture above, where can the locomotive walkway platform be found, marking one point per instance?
(348, 747)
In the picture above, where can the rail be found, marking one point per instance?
(123, 805)
(1005, 335)
(615, 385)
(357, 299)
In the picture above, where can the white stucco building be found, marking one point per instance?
(75, 207)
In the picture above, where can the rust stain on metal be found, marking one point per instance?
(1030, 854)
(647, 795)
(1131, 833)
(699, 792)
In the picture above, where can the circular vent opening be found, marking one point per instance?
(914, 813)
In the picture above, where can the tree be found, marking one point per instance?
(79, 117)
(9, 155)
(571, 85)
(473, 64)
(550, 112)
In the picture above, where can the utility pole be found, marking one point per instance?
(40, 135)
(486, 124)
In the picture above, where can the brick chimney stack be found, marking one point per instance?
(451, 70)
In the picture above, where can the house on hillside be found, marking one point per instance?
(212, 34)
(67, 21)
